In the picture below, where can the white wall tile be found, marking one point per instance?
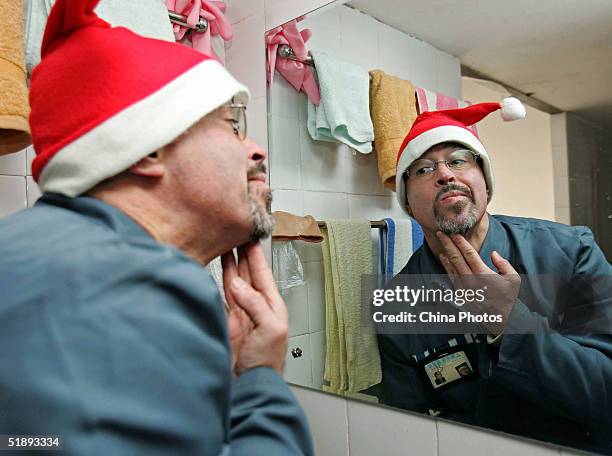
(239, 10)
(323, 164)
(448, 69)
(244, 55)
(287, 201)
(30, 154)
(284, 154)
(13, 164)
(317, 355)
(324, 205)
(377, 430)
(362, 174)
(298, 370)
(12, 194)
(315, 282)
(257, 122)
(32, 191)
(280, 11)
(285, 100)
(325, 29)
(457, 440)
(359, 39)
(327, 416)
(369, 207)
(296, 299)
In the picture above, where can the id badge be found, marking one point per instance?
(448, 368)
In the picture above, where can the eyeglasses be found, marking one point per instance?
(458, 160)
(238, 120)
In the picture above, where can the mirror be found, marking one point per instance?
(552, 165)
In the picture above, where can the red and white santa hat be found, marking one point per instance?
(451, 125)
(103, 98)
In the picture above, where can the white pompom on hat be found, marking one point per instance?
(451, 125)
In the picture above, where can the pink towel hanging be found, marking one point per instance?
(436, 101)
(212, 11)
(298, 74)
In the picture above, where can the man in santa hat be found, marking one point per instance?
(114, 336)
(543, 367)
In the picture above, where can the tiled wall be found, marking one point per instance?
(344, 427)
(329, 180)
(17, 188)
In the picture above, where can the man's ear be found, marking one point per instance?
(150, 166)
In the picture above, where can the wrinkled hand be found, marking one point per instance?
(467, 270)
(260, 327)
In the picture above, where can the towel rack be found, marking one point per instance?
(180, 19)
(285, 51)
(373, 223)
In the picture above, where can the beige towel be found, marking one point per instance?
(14, 106)
(393, 111)
(352, 361)
(293, 227)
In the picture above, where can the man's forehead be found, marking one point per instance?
(442, 149)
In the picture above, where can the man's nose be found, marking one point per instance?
(443, 174)
(256, 153)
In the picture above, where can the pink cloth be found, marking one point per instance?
(212, 11)
(437, 101)
(298, 74)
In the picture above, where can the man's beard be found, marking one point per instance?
(261, 217)
(457, 223)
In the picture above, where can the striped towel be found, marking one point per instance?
(437, 101)
(399, 240)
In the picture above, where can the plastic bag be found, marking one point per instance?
(286, 265)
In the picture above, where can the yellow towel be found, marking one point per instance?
(393, 111)
(352, 361)
(14, 107)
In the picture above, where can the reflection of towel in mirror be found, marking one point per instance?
(294, 227)
(352, 361)
(14, 106)
(436, 101)
(343, 114)
(399, 240)
(393, 110)
(145, 17)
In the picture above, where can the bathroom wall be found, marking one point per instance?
(521, 154)
(329, 180)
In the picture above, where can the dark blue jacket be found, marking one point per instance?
(119, 344)
(556, 386)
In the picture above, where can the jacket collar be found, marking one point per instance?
(99, 212)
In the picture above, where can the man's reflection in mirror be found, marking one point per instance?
(529, 375)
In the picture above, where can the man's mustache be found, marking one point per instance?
(453, 187)
(256, 170)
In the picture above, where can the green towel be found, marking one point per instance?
(352, 361)
(343, 113)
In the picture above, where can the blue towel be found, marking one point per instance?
(399, 240)
(343, 114)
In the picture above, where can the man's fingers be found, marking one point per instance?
(502, 265)
(261, 274)
(454, 254)
(450, 269)
(243, 265)
(230, 270)
(250, 300)
(471, 255)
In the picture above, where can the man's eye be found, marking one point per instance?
(424, 170)
(458, 162)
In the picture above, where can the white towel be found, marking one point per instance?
(343, 114)
(145, 17)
